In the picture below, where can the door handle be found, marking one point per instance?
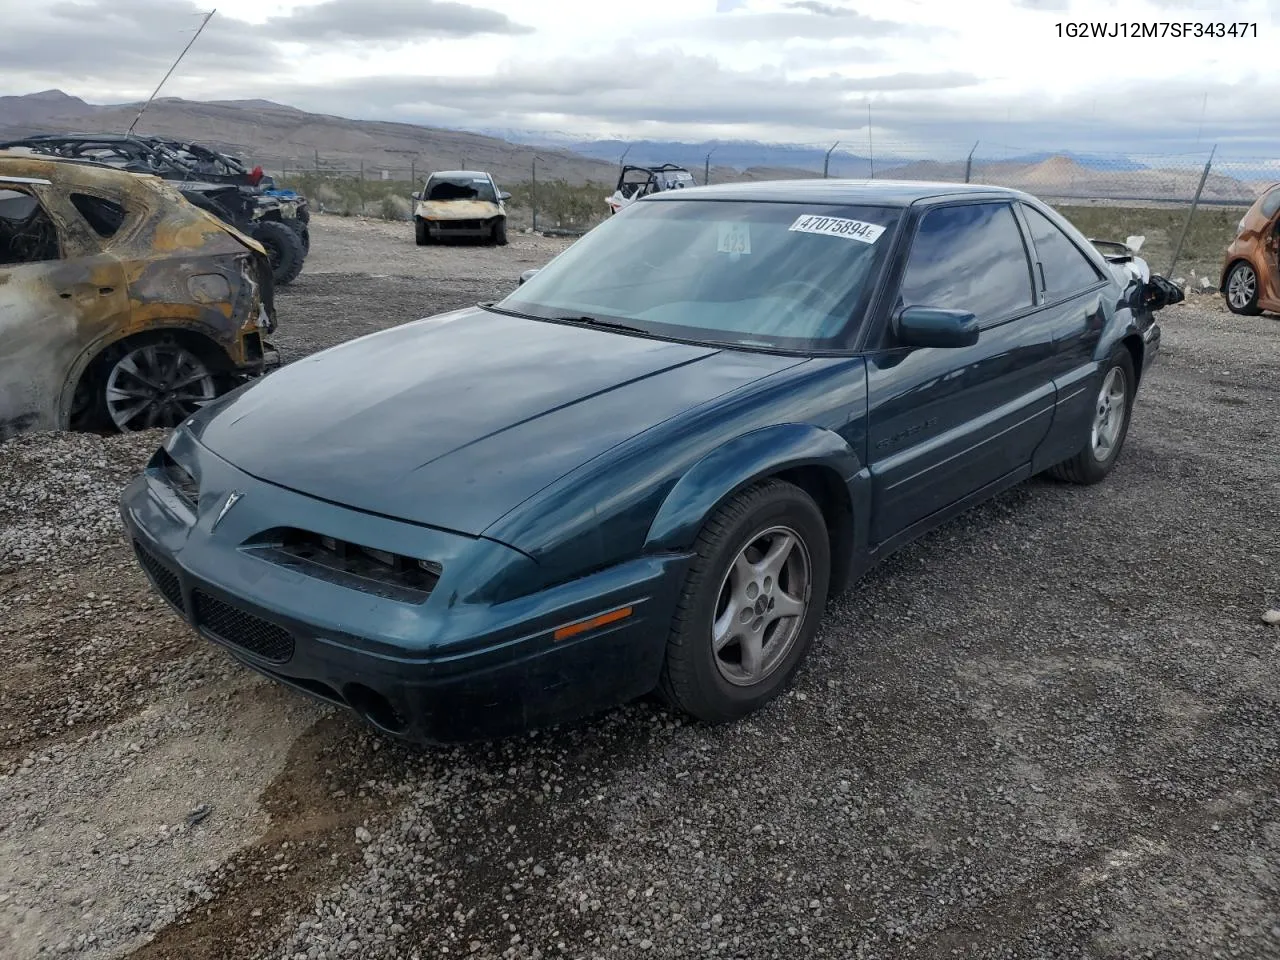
(104, 291)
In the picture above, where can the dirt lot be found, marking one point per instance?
(1048, 730)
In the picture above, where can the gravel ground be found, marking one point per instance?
(1047, 730)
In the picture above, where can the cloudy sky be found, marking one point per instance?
(932, 71)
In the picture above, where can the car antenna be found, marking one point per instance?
(203, 23)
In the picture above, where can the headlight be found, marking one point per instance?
(178, 477)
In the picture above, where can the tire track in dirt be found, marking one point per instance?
(335, 779)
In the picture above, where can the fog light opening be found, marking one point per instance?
(374, 707)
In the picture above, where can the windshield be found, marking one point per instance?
(460, 188)
(775, 275)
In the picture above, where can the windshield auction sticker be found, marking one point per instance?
(837, 227)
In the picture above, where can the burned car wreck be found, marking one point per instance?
(122, 306)
(460, 203)
(221, 184)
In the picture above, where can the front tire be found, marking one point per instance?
(500, 233)
(1242, 290)
(751, 603)
(1108, 424)
(421, 235)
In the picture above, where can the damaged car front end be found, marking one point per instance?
(122, 306)
(460, 204)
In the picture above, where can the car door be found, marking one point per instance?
(34, 320)
(57, 294)
(1268, 251)
(1071, 289)
(947, 423)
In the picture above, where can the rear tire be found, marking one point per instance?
(150, 383)
(284, 250)
(1106, 435)
(1242, 290)
(732, 648)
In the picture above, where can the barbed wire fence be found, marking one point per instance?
(1186, 205)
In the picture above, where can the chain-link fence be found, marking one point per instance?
(1185, 205)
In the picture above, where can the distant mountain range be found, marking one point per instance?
(284, 138)
(742, 154)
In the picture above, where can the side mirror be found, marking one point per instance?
(503, 195)
(936, 327)
(526, 275)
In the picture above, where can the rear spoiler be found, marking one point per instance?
(1155, 291)
(1116, 252)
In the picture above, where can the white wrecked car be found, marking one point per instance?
(460, 203)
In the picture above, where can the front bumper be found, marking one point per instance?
(444, 229)
(439, 671)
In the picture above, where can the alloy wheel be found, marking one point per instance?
(157, 385)
(1242, 286)
(1109, 412)
(761, 606)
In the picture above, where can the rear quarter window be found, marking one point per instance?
(103, 215)
(1066, 269)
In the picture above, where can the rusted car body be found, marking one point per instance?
(121, 304)
(1250, 279)
(460, 203)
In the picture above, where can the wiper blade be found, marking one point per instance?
(583, 319)
(597, 322)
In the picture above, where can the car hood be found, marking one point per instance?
(457, 209)
(454, 420)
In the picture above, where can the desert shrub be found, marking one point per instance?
(395, 207)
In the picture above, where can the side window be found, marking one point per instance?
(1271, 203)
(1066, 269)
(969, 257)
(105, 216)
(27, 234)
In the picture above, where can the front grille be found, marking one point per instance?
(460, 224)
(242, 629)
(164, 579)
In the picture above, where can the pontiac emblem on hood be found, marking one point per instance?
(232, 498)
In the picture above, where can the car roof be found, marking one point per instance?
(15, 167)
(894, 193)
(459, 173)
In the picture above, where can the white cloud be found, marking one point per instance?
(797, 70)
